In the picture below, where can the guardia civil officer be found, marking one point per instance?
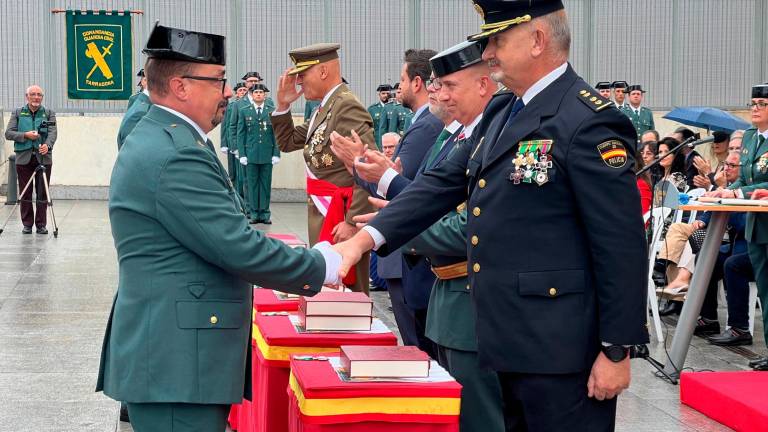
(142, 85)
(641, 117)
(753, 179)
(556, 247)
(375, 110)
(604, 88)
(176, 348)
(232, 161)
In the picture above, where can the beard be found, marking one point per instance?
(220, 110)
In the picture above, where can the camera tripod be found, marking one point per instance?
(49, 204)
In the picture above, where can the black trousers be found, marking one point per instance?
(24, 173)
(552, 403)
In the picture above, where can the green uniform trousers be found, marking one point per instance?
(758, 254)
(481, 402)
(259, 183)
(178, 417)
(240, 185)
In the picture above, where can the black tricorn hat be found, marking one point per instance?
(456, 58)
(603, 85)
(760, 91)
(500, 15)
(261, 87)
(251, 75)
(185, 45)
(238, 86)
(635, 87)
(384, 87)
(619, 84)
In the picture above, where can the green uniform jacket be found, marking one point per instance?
(404, 118)
(180, 325)
(642, 122)
(450, 316)
(133, 114)
(388, 119)
(375, 111)
(751, 177)
(255, 138)
(132, 99)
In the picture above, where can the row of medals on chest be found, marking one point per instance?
(316, 145)
(532, 162)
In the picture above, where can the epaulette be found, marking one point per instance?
(593, 100)
(503, 90)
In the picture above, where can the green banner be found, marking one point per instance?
(99, 55)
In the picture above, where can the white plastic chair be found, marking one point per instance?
(693, 194)
(753, 302)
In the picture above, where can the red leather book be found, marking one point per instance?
(384, 361)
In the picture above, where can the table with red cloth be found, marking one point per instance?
(266, 300)
(320, 401)
(275, 339)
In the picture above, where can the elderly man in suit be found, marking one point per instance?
(177, 344)
(333, 197)
(548, 172)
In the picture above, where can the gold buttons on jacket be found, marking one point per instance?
(476, 268)
(475, 240)
(553, 292)
(476, 211)
(481, 183)
(214, 319)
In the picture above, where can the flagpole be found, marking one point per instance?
(133, 12)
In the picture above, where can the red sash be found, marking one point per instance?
(341, 200)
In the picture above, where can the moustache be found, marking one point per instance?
(493, 63)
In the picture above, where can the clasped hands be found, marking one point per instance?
(369, 165)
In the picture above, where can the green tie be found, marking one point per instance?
(760, 140)
(437, 146)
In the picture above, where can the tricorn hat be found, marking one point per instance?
(384, 87)
(456, 58)
(603, 85)
(185, 45)
(251, 75)
(635, 87)
(760, 91)
(619, 84)
(261, 87)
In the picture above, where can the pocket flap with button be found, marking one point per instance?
(214, 314)
(551, 283)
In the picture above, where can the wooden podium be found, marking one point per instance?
(700, 281)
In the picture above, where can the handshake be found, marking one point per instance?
(349, 252)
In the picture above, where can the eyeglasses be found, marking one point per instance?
(203, 78)
(731, 165)
(759, 105)
(435, 83)
(35, 94)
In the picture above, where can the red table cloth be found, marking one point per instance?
(321, 402)
(275, 339)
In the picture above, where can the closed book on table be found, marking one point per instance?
(384, 362)
(337, 304)
(334, 323)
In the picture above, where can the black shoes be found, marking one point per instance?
(42, 230)
(670, 308)
(706, 327)
(124, 413)
(26, 230)
(732, 337)
(760, 364)
(266, 222)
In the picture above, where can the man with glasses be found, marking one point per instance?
(333, 197)
(177, 344)
(32, 128)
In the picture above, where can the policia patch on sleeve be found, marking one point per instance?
(614, 153)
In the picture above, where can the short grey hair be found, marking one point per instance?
(394, 135)
(737, 134)
(560, 32)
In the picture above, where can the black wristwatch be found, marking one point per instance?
(615, 353)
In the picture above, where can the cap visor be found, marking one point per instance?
(488, 33)
(299, 69)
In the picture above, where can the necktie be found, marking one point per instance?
(516, 107)
(760, 140)
(258, 111)
(438, 145)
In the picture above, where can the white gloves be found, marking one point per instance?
(243, 160)
(275, 160)
(224, 150)
(236, 153)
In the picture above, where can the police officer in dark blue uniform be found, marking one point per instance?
(555, 239)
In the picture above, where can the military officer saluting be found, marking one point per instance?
(334, 199)
(641, 117)
(549, 172)
(376, 109)
(258, 152)
(753, 179)
(604, 88)
(177, 343)
(619, 93)
(232, 161)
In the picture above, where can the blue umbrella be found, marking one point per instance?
(709, 118)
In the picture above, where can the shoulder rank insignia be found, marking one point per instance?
(594, 101)
(613, 153)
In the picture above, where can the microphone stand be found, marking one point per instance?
(671, 152)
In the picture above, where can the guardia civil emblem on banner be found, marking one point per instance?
(99, 55)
